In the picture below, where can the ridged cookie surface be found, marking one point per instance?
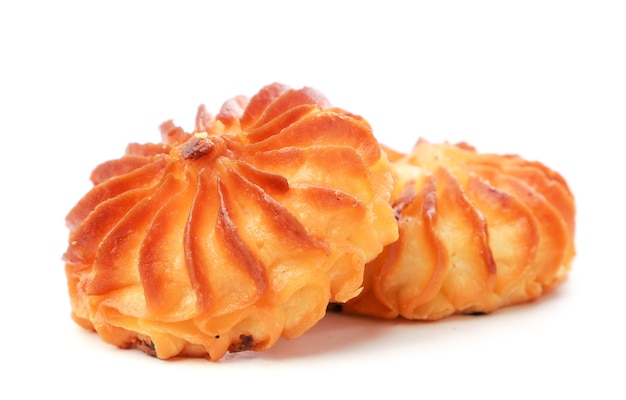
(477, 232)
(230, 236)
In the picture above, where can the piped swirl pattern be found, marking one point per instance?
(235, 234)
(477, 232)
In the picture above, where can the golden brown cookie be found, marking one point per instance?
(477, 232)
(230, 236)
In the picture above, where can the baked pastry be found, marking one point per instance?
(233, 235)
(477, 232)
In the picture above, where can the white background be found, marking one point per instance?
(543, 79)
